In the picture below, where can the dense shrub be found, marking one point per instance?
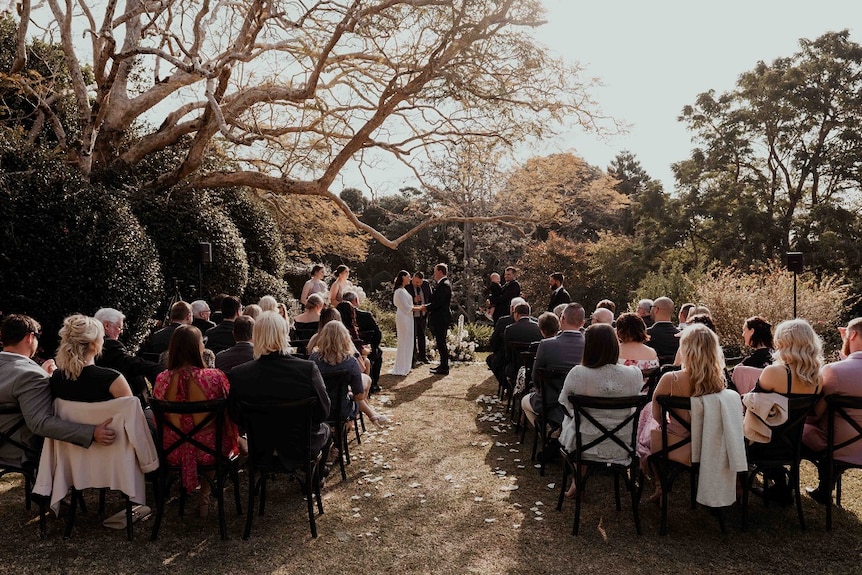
(70, 247)
(261, 283)
(264, 245)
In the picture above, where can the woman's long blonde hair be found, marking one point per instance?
(78, 334)
(702, 359)
(799, 347)
(333, 343)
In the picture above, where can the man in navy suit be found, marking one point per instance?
(243, 351)
(439, 316)
(420, 289)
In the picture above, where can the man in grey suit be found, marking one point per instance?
(243, 350)
(562, 352)
(26, 384)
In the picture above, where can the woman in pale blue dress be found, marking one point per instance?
(403, 325)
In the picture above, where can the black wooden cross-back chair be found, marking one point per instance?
(514, 361)
(279, 442)
(582, 468)
(550, 385)
(528, 357)
(336, 383)
(837, 407)
(28, 468)
(784, 451)
(225, 467)
(665, 461)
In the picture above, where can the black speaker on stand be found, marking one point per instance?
(205, 256)
(794, 264)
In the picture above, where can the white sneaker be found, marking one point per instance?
(381, 420)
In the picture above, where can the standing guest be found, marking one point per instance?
(276, 375)
(201, 315)
(439, 316)
(370, 334)
(180, 314)
(511, 289)
(335, 352)
(420, 289)
(632, 333)
(644, 309)
(216, 317)
(559, 295)
(187, 380)
(25, 384)
(339, 285)
(403, 324)
(757, 335)
(839, 378)
(268, 303)
(683, 315)
(77, 377)
(599, 375)
(243, 351)
(315, 284)
(220, 337)
(136, 370)
(495, 288)
(663, 335)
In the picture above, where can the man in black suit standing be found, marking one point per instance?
(559, 295)
(511, 289)
(439, 316)
(420, 289)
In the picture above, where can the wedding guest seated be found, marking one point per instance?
(370, 334)
(327, 315)
(757, 335)
(305, 324)
(243, 351)
(276, 375)
(137, 370)
(607, 304)
(663, 335)
(179, 314)
(252, 310)
(644, 309)
(335, 351)
(632, 333)
(77, 377)
(217, 316)
(186, 379)
(220, 337)
(268, 303)
(700, 318)
(683, 315)
(839, 378)
(599, 375)
(795, 373)
(496, 360)
(602, 315)
(523, 330)
(201, 315)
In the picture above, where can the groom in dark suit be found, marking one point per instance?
(439, 316)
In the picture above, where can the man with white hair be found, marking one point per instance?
(201, 315)
(644, 310)
(603, 315)
(116, 356)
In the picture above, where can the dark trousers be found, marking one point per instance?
(376, 359)
(419, 352)
(439, 331)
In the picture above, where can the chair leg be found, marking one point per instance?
(102, 493)
(70, 522)
(794, 478)
(222, 521)
(617, 491)
(309, 497)
(634, 491)
(160, 492)
(234, 477)
(579, 482)
(251, 488)
(563, 483)
(341, 440)
(129, 524)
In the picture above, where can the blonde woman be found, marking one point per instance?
(334, 351)
(77, 377)
(702, 373)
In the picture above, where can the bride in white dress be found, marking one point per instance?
(403, 325)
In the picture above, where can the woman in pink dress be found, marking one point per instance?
(186, 379)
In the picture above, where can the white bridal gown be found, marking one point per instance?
(404, 328)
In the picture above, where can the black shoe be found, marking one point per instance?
(375, 388)
(817, 495)
(439, 370)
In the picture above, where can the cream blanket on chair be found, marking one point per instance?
(718, 444)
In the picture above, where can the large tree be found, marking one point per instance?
(293, 91)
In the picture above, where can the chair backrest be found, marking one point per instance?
(336, 383)
(8, 436)
(785, 447)
(551, 381)
(837, 406)
(655, 376)
(629, 408)
(214, 413)
(272, 427)
(671, 408)
(527, 359)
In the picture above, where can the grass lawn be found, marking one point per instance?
(446, 489)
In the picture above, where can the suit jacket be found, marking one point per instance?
(280, 376)
(220, 337)
(439, 314)
(134, 368)
(231, 357)
(203, 324)
(564, 351)
(524, 330)
(160, 340)
(425, 290)
(559, 296)
(25, 384)
(497, 358)
(502, 304)
(368, 328)
(663, 339)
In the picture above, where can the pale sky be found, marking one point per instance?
(655, 57)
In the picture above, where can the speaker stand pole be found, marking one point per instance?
(794, 295)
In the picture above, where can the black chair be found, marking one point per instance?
(336, 383)
(551, 384)
(514, 361)
(666, 468)
(630, 408)
(214, 413)
(836, 408)
(272, 425)
(27, 469)
(783, 451)
(526, 361)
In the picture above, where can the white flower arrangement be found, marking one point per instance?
(459, 344)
